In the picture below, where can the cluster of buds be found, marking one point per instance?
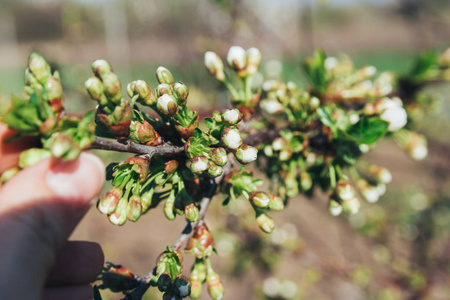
(114, 113)
(390, 110)
(202, 272)
(344, 199)
(117, 278)
(168, 278)
(207, 151)
(201, 244)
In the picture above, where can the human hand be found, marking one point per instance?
(39, 208)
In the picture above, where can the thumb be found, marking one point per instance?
(39, 208)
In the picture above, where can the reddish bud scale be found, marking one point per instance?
(171, 166)
(143, 165)
(186, 133)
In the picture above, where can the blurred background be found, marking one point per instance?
(398, 248)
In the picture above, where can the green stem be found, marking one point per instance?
(230, 87)
(248, 88)
(332, 176)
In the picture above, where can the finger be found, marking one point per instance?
(78, 262)
(39, 207)
(9, 152)
(79, 292)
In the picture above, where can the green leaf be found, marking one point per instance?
(315, 70)
(423, 64)
(368, 130)
(198, 132)
(325, 117)
(209, 122)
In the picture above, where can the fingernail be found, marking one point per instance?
(80, 179)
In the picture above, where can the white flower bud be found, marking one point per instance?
(253, 60)
(214, 65)
(236, 58)
(334, 207)
(199, 164)
(351, 206)
(396, 117)
(331, 63)
(246, 154)
(231, 138)
(271, 106)
(231, 116)
(345, 190)
(167, 105)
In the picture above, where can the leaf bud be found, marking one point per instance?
(345, 190)
(381, 174)
(276, 203)
(214, 170)
(164, 76)
(191, 212)
(214, 65)
(231, 138)
(101, 67)
(334, 207)
(253, 60)
(351, 206)
(39, 67)
(182, 92)
(167, 105)
(260, 199)
(113, 87)
(219, 156)
(246, 154)
(231, 116)
(109, 200)
(134, 208)
(94, 86)
(265, 222)
(164, 282)
(199, 164)
(182, 286)
(237, 58)
(305, 181)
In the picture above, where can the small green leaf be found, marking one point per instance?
(325, 117)
(368, 130)
(198, 132)
(209, 122)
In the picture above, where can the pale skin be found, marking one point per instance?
(39, 208)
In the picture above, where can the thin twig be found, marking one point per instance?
(166, 149)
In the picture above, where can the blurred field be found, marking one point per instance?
(395, 249)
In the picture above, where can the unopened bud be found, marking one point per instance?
(164, 282)
(163, 89)
(260, 199)
(146, 200)
(219, 156)
(271, 106)
(369, 192)
(61, 145)
(144, 133)
(113, 87)
(8, 174)
(134, 208)
(199, 164)
(305, 181)
(32, 156)
(268, 151)
(130, 89)
(142, 89)
(163, 75)
(314, 103)
(109, 201)
(253, 60)
(191, 212)
(171, 166)
(214, 170)
(182, 92)
(345, 190)
(196, 289)
(101, 67)
(216, 288)
(266, 223)
(231, 138)
(285, 154)
(214, 65)
(48, 126)
(279, 144)
(381, 174)
(236, 58)
(416, 146)
(246, 154)
(198, 272)
(167, 105)
(94, 86)
(30, 80)
(231, 116)
(182, 286)
(119, 216)
(39, 67)
(54, 93)
(351, 206)
(334, 207)
(276, 203)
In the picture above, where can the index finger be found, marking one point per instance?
(9, 152)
